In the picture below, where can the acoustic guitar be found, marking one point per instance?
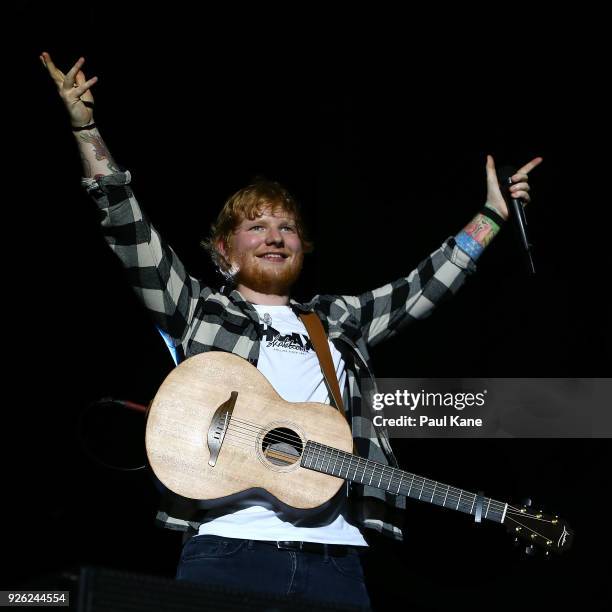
(218, 432)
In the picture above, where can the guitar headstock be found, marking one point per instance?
(538, 530)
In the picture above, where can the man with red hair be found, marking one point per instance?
(258, 243)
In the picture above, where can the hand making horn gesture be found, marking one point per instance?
(74, 90)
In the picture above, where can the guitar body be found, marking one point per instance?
(217, 408)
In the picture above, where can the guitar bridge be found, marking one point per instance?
(218, 427)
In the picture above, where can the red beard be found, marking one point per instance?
(267, 278)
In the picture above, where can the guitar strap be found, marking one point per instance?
(318, 337)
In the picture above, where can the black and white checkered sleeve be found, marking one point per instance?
(154, 271)
(384, 311)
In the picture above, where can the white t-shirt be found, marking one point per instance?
(288, 360)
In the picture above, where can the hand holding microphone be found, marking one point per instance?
(509, 194)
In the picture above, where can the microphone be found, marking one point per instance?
(517, 212)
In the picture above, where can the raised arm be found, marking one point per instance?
(75, 91)
(384, 311)
(154, 271)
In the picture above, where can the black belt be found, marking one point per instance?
(333, 550)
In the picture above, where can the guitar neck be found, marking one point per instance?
(329, 460)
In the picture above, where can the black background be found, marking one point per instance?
(380, 126)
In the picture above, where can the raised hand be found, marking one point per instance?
(73, 89)
(519, 189)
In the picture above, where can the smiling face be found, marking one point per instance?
(265, 253)
(258, 242)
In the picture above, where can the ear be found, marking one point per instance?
(221, 247)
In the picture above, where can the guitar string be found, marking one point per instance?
(257, 428)
(395, 480)
(294, 438)
(426, 488)
(494, 506)
(329, 455)
(530, 529)
(270, 437)
(531, 516)
(527, 527)
(249, 426)
(450, 494)
(510, 515)
(248, 437)
(277, 436)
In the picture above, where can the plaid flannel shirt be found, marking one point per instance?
(195, 318)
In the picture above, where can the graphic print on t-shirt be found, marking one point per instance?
(287, 357)
(291, 342)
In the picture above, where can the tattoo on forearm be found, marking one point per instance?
(100, 150)
(99, 147)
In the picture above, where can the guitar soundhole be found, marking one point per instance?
(282, 447)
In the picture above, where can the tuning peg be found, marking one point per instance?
(530, 550)
(527, 502)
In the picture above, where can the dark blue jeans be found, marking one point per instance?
(262, 567)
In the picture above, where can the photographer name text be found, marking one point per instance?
(425, 421)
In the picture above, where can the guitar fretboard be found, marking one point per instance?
(345, 465)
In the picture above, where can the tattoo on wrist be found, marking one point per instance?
(477, 235)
